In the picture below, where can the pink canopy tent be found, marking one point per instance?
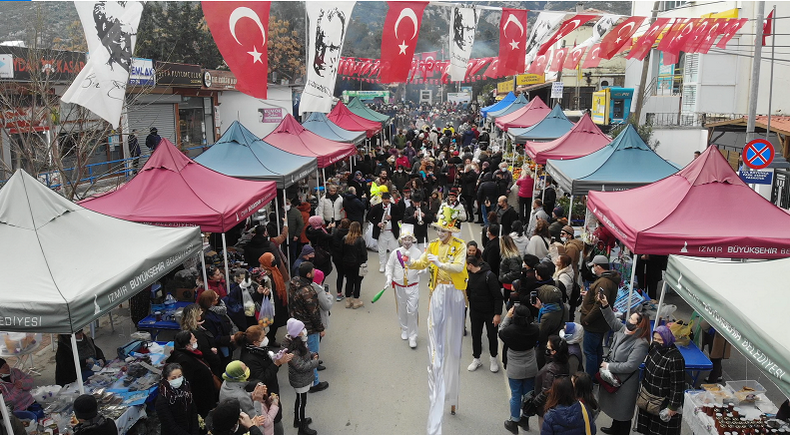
(290, 136)
(527, 116)
(343, 117)
(172, 190)
(585, 138)
(704, 210)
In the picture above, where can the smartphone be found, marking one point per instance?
(533, 297)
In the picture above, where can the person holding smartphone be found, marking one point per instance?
(591, 319)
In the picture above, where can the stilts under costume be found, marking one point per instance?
(406, 283)
(446, 260)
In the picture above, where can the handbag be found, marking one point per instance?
(363, 269)
(528, 405)
(609, 381)
(649, 403)
(587, 430)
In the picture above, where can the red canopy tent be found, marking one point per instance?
(290, 136)
(343, 117)
(583, 139)
(704, 210)
(172, 190)
(527, 116)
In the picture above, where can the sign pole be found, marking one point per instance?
(771, 81)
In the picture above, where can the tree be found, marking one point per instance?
(286, 50)
(73, 40)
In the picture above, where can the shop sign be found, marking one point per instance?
(6, 66)
(458, 97)
(178, 75)
(142, 72)
(274, 115)
(530, 79)
(219, 80)
(57, 65)
(505, 87)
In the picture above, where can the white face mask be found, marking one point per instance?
(303, 335)
(264, 342)
(176, 383)
(194, 345)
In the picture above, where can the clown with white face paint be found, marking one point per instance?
(445, 259)
(406, 283)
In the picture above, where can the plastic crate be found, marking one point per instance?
(736, 386)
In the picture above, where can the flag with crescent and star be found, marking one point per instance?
(644, 44)
(327, 25)
(619, 38)
(241, 30)
(399, 39)
(676, 39)
(574, 56)
(512, 41)
(707, 36)
(565, 29)
(111, 32)
(593, 59)
(462, 36)
(544, 28)
(428, 62)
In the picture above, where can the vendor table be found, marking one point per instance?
(151, 324)
(696, 361)
(702, 424)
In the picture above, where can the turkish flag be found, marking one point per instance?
(574, 56)
(692, 42)
(538, 66)
(366, 66)
(618, 39)
(493, 69)
(593, 58)
(429, 62)
(241, 30)
(670, 42)
(643, 45)
(728, 33)
(566, 28)
(478, 64)
(708, 37)
(767, 25)
(512, 40)
(558, 59)
(399, 39)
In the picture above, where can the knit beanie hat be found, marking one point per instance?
(235, 371)
(316, 222)
(225, 416)
(307, 250)
(85, 407)
(294, 327)
(568, 229)
(318, 276)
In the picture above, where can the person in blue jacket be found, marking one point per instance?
(564, 414)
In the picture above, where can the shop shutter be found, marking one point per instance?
(144, 116)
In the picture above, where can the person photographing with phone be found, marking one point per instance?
(591, 319)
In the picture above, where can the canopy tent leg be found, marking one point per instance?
(658, 310)
(76, 355)
(203, 262)
(570, 208)
(290, 236)
(276, 217)
(323, 172)
(631, 286)
(6, 419)
(535, 180)
(227, 273)
(317, 185)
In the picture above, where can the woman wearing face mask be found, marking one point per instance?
(279, 293)
(556, 355)
(192, 321)
(89, 355)
(627, 352)
(175, 405)
(216, 321)
(300, 372)
(664, 378)
(263, 366)
(196, 370)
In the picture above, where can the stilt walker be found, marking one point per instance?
(446, 260)
(406, 283)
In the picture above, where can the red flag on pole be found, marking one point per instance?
(399, 39)
(574, 56)
(593, 59)
(240, 30)
(643, 45)
(512, 40)
(619, 38)
(708, 37)
(768, 25)
(697, 35)
(538, 66)
(493, 69)
(429, 62)
(731, 27)
(566, 28)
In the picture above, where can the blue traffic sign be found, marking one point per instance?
(758, 154)
(756, 177)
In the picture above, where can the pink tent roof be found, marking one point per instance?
(583, 139)
(526, 116)
(290, 136)
(704, 210)
(345, 118)
(172, 190)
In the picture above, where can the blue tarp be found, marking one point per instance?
(518, 103)
(239, 153)
(499, 105)
(319, 124)
(554, 125)
(625, 163)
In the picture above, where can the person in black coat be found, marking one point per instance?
(421, 219)
(337, 254)
(468, 185)
(506, 214)
(485, 308)
(487, 196)
(87, 420)
(255, 354)
(175, 404)
(257, 246)
(354, 205)
(491, 254)
(192, 321)
(196, 371)
(321, 240)
(217, 322)
(88, 353)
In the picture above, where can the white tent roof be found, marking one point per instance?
(65, 265)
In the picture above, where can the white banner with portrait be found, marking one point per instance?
(544, 28)
(603, 25)
(111, 32)
(462, 37)
(327, 26)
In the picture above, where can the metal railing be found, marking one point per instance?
(685, 119)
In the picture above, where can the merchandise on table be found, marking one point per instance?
(716, 411)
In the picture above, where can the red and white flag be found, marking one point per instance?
(643, 45)
(399, 39)
(512, 40)
(730, 28)
(538, 66)
(593, 59)
(600, 28)
(240, 30)
(429, 63)
(708, 37)
(493, 69)
(544, 27)
(565, 29)
(768, 25)
(558, 59)
(574, 56)
(619, 38)
(692, 42)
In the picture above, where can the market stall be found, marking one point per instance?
(516, 104)
(319, 124)
(499, 105)
(290, 136)
(583, 139)
(345, 118)
(554, 125)
(526, 116)
(357, 107)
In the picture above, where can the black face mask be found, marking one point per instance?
(548, 353)
(5, 376)
(630, 326)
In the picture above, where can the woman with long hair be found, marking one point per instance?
(556, 355)
(195, 370)
(519, 335)
(337, 255)
(518, 236)
(564, 414)
(627, 352)
(216, 321)
(175, 405)
(563, 274)
(540, 240)
(279, 295)
(665, 373)
(473, 250)
(192, 321)
(583, 389)
(509, 265)
(354, 253)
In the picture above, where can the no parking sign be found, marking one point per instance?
(758, 154)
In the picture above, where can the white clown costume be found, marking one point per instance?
(406, 283)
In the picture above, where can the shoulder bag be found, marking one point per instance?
(649, 403)
(587, 429)
(363, 269)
